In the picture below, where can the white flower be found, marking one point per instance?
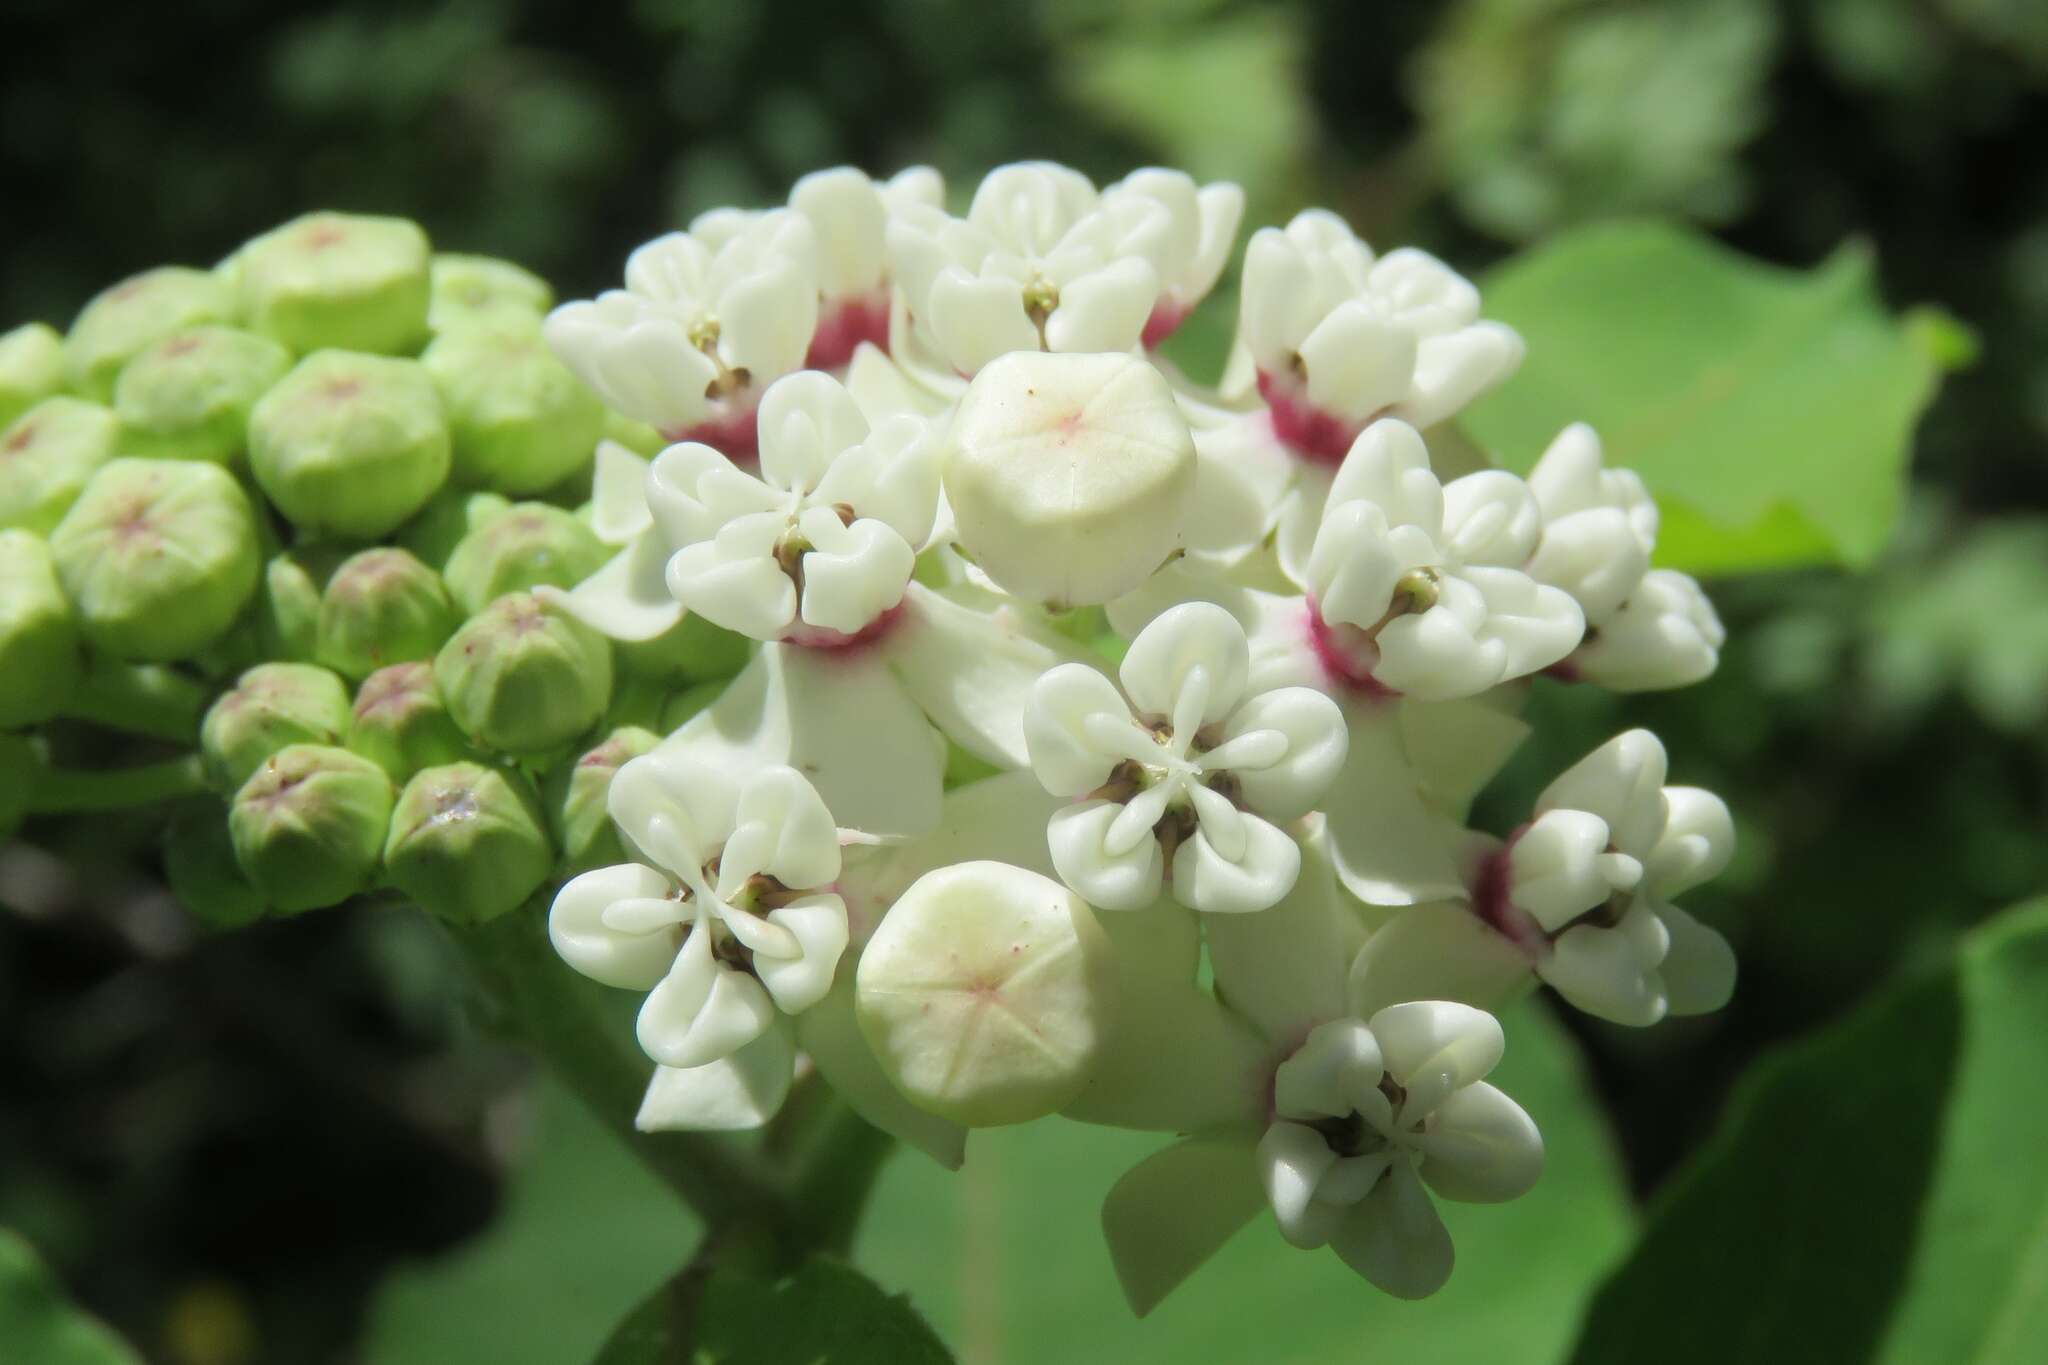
(1339, 337)
(700, 328)
(1201, 228)
(733, 923)
(1588, 887)
(823, 540)
(1189, 770)
(1037, 264)
(1368, 1113)
(1417, 584)
(1666, 635)
(1599, 524)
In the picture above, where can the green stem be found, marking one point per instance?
(58, 791)
(557, 1014)
(835, 1179)
(142, 699)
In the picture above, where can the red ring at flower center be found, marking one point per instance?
(1305, 429)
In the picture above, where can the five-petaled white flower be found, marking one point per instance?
(1188, 772)
(1417, 586)
(1369, 1116)
(1666, 635)
(735, 921)
(1201, 226)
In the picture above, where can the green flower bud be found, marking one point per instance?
(17, 772)
(288, 607)
(39, 663)
(338, 279)
(158, 556)
(401, 724)
(134, 313)
(349, 444)
(480, 291)
(448, 516)
(523, 676)
(46, 457)
(576, 795)
(529, 544)
(382, 606)
(188, 396)
(308, 826)
(269, 707)
(521, 421)
(692, 650)
(466, 842)
(637, 437)
(31, 368)
(199, 863)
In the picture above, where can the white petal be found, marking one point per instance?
(732, 1094)
(1594, 555)
(676, 811)
(618, 494)
(1360, 362)
(693, 492)
(1490, 517)
(1352, 565)
(1436, 951)
(1388, 466)
(767, 318)
(1104, 310)
(1314, 744)
(1279, 303)
(1612, 973)
(1292, 1162)
(862, 574)
(1697, 841)
(1458, 747)
(627, 599)
(1452, 370)
(1390, 845)
(577, 929)
(1559, 867)
(1204, 879)
(1537, 625)
(1394, 1238)
(1283, 968)
(975, 318)
(892, 476)
(847, 215)
(1699, 970)
(1622, 782)
(701, 1011)
(1481, 1148)
(1433, 1047)
(1077, 836)
(1068, 704)
(1445, 653)
(1174, 1210)
(805, 420)
(1196, 645)
(1666, 635)
(639, 361)
(751, 596)
(781, 828)
(818, 924)
(1339, 1061)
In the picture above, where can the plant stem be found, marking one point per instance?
(556, 1013)
(58, 791)
(142, 699)
(835, 1179)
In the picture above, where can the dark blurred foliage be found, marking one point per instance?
(215, 1137)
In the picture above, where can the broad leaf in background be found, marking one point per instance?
(1771, 411)
(1877, 1193)
(827, 1313)
(39, 1324)
(1006, 1256)
(585, 1233)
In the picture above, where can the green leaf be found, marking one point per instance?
(1006, 1257)
(1876, 1194)
(1771, 411)
(38, 1323)
(827, 1313)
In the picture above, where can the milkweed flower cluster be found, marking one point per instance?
(1067, 678)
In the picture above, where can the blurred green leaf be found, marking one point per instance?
(827, 1313)
(586, 1232)
(39, 1325)
(1876, 1193)
(1771, 411)
(1007, 1259)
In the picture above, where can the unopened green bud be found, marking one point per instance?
(338, 279)
(401, 724)
(140, 310)
(199, 863)
(288, 605)
(529, 544)
(576, 797)
(521, 421)
(523, 676)
(271, 706)
(158, 556)
(31, 368)
(188, 396)
(46, 456)
(38, 637)
(381, 607)
(349, 444)
(692, 650)
(480, 291)
(466, 842)
(308, 826)
(637, 437)
(448, 516)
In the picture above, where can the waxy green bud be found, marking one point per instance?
(199, 863)
(31, 368)
(521, 421)
(39, 663)
(308, 826)
(158, 556)
(401, 724)
(271, 706)
(46, 457)
(529, 544)
(338, 279)
(349, 444)
(449, 515)
(480, 291)
(188, 396)
(523, 676)
(381, 607)
(576, 796)
(288, 605)
(692, 650)
(467, 843)
(140, 310)
(637, 437)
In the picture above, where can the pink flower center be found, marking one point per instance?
(733, 432)
(1491, 903)
(843, 324)
(839, 642)
(1348, 656)
(1303, 428)
(1167, 316)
